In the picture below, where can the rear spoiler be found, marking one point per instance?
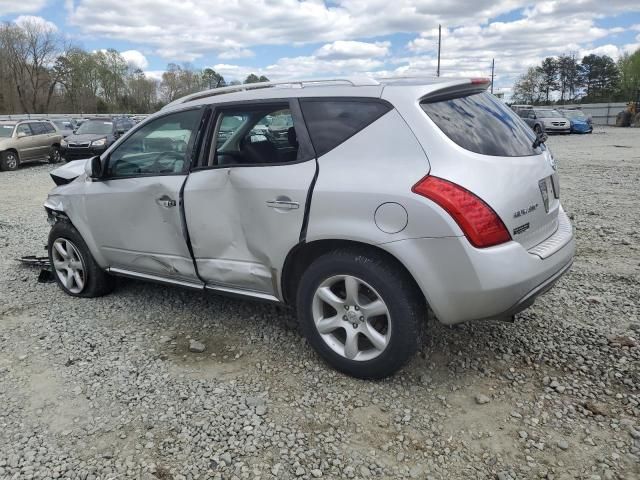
(474, 85)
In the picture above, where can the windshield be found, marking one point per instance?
(6, 131)
(95, 127)
(548, 113)
(482, 123)
(62, 125)
(574, 114)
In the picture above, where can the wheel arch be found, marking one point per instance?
(13, 150)
(303, 254)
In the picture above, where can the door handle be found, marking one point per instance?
(166, 202)
(283, 204)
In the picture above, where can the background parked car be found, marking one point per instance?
(64, 126)
(546, 120)
(28, 141)
(580, 123)
(93, 137)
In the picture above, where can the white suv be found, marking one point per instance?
(380, 200)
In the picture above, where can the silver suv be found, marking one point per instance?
(28, 141)
(382, 199)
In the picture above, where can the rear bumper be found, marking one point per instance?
(463, 283)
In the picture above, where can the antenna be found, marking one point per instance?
(493, 66)
(439, 43)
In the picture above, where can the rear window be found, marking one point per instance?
(331, 122)
(481, 123)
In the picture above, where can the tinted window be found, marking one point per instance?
(483, 124)
(49, 128)
(160, 147)
(38, 128)
(331, 122)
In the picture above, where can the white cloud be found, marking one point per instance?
(24, 20)
(239, 53)
(135, 59)
(350, 49)
(13, 7)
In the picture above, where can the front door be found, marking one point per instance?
(27, 142)
(134, 211)
(245, 201)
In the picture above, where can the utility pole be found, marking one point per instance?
(439, 43)
(493, 66)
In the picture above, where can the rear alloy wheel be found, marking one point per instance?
(356, 327)
(360, 312)
(54, 155)
(9, 161)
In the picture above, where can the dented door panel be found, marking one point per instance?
(239, 239)
(137, 225)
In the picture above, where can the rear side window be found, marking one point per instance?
(331, 122)
(481, 123)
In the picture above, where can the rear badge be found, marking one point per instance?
(521, 229)
(545, 193)
(525, 211)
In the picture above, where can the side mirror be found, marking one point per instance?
(93, 168)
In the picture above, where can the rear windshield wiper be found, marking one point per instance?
(540, 139)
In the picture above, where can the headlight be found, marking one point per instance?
(63, 143)
(99, 143)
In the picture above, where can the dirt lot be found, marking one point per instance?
(107, 388)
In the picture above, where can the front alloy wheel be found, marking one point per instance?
(54, 155)
(68, 265)
(351, 318)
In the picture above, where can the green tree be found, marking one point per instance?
(549, 71)
(568, 77)
(529, 88)
(629, 67)
(600, 76)
(252, 78)
(212, 79)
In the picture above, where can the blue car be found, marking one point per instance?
(580, 123)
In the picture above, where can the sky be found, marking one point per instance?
(285, 39)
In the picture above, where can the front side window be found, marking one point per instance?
(482, 123)
(254, 135)
(24, 129)
(38, 128)
(95, 127)
(161, 147)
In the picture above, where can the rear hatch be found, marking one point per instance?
(487, 149)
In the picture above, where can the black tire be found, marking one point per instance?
(96, 281)
(9, 161)
(405, 304)
(54, 154)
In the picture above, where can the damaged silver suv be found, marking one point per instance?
(378, 201)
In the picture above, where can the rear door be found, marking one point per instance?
(245, 201)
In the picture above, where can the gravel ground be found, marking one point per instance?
(108, 388)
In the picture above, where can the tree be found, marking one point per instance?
(529, 88)
(568, 77)
(212, 79)
(29, 49)
(599, 76)
(549, 71)
(629, 67)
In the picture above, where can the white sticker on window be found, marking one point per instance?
(7, 126)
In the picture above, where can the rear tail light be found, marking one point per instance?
(480, 224)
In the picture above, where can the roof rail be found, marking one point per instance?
(353, 81)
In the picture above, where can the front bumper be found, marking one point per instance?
(556, 129)
(581, 128)
(78, 153)
(463, 283)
